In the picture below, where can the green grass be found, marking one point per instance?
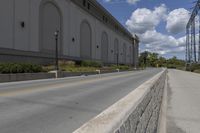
(79, 69)
(120, 67)
(84, 66)
(70, 66)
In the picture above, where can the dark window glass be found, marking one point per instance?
(88, 6)
(84, 2)
(103, 18)
(106, 20)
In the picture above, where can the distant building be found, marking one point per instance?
(86, 32)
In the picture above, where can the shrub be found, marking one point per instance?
(20, 68)
(67, 63)
(194, 67)
(90, 64)
(121, 67)
(171, 66)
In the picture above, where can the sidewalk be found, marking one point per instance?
(183, 102)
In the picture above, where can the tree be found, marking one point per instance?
(162, 62)
(148, 59)
(153, 59)
(143, 59)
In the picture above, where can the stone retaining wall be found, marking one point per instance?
(138, 112)
(25, 76)
(36, 76)
(144, 119)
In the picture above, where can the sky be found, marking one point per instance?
(160, 24)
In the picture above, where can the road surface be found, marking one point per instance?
(183, 111)
(63, 105)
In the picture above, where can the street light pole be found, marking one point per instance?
(56, 52)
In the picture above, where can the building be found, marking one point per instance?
(86, 32)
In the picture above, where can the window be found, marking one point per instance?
(106, 20)
(116, 27)
(88, 6)
(84, 2)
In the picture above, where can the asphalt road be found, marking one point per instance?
(63, 105)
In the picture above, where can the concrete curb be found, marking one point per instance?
(36, 76)
(162, 122)
(133, 108)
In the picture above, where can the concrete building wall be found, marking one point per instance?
(6, 23)
(28, 25)
(135, 54)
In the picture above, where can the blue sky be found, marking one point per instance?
(160, 24)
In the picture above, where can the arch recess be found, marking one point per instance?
(124, 53)
(85, 40)
(130, 54)
(104, 47)
(50, 22)
(116, 50)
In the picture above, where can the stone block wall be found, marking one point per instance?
(144, 119)
(138, 112)
(25, 76)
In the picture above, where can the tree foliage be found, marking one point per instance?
(148, 59)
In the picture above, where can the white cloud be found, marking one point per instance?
(132, 1)
(177, 20)
(143, 22)
(144, 19)
(156, 42)
(121, 1)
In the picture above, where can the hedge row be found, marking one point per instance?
(6, 68)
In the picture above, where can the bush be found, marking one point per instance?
(91, 64)
(197, 71)
(67, 63)
(20, 68)
(194, 67)
(121, 67)
(171, 66)
(79, 69)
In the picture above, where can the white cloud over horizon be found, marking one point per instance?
(143, 22)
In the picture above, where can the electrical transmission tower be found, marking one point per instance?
(193, 47)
